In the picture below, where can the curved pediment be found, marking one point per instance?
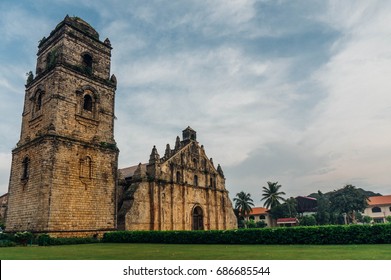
(186, 164)
(192, 156)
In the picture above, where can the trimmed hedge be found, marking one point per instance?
(7, 243)
(19, 238)
(7, 236)
(352, 234)
(46, 240)
(27, 238)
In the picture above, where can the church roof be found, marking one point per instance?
(129, 171)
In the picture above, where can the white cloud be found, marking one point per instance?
(5, 167)
(19, 24)
(351, 125)
(234, 100)
(354, 17)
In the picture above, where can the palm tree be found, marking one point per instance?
(272, 195)
(243, 203)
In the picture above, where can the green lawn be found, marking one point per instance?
(109, 251)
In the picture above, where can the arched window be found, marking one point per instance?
(252, 217)
(87, 63)
(25, 168)
(178, 177)
(198, 219)
(87, 103)
(196, 180)
(38, 104)
(376, 210)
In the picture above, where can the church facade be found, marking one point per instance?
(182, 190)
(64, 173)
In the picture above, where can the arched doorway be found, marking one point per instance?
(198, 219)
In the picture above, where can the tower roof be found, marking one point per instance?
(189, 134)
(82, 26)
(78, 24)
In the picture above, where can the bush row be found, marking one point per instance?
(46, 240)
(21, 238)
(27, 238)
(332, 234)
(7, 243)
(352, 234)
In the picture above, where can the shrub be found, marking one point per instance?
(353, 234)
(366, 219)
(23, 238)
(43, 240)
(251, 224)
(6, 236)
(261, 224)
(7, 243)
(74, 240)
(46, 240)
(307, 220)
(7, 240)
(241, 223)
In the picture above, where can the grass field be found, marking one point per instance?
(109, 251)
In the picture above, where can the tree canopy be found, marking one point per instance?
(243, 203)
(271, 195)
(340, 206)
(288, 209)
(348, 200)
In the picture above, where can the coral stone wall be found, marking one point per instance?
(160, 206)
(64, 168)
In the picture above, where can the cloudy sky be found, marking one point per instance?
(297, 92)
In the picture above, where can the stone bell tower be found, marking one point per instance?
(63, 173)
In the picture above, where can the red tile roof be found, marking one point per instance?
(379, 200)
(258, 211)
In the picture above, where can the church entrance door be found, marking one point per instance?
(198, 219)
